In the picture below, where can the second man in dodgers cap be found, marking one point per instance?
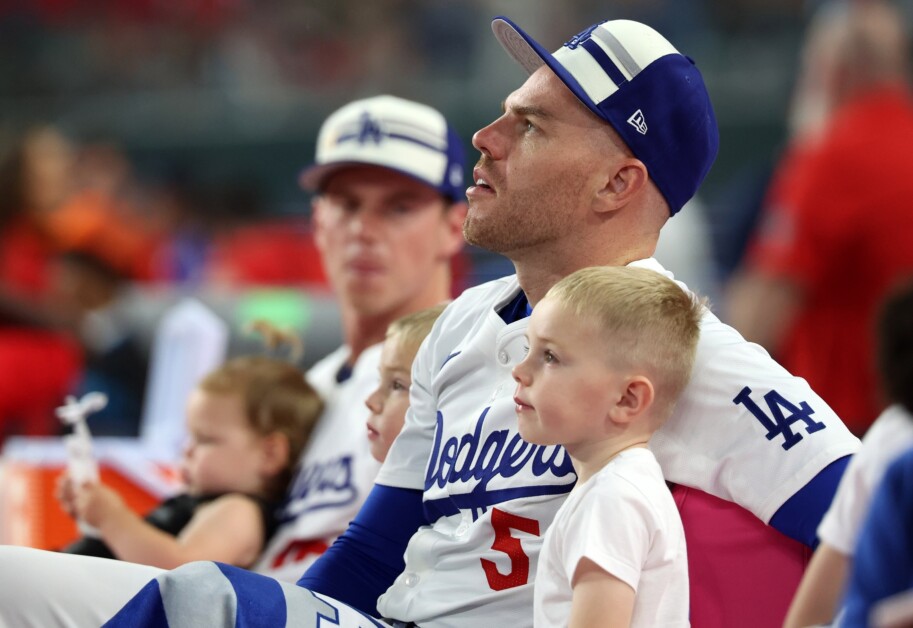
(388, 208)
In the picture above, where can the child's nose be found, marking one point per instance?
(519, 373)
(374, 402)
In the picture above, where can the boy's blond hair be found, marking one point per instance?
(276, 398)
(411, 329)
(649, 323)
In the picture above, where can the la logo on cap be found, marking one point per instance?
(581, 37)
(638, 121)
(370, 130)
(404, 136)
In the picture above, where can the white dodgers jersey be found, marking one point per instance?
(336, 471)
(744, 430)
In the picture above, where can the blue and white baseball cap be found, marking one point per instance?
(633, 78)
(394, 133)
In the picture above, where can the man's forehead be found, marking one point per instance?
(546, 96)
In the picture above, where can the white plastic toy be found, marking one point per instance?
(81, 464)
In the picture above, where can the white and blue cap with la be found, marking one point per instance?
(633, 78)
(394, 133)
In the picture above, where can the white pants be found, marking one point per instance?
(40, 589)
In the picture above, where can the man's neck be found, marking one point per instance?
(538, 275)
(541, 267)
(361, 331)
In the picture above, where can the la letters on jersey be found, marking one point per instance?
(777, 423)
(321, 485)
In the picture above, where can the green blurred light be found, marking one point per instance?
(284, 308)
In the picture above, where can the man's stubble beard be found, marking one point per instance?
(529, 220)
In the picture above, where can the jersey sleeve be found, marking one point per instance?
(365, 560)
(745, 429)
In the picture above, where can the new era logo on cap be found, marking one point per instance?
(627, 73)
(393, 133)
(638, 122)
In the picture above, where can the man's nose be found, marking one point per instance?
(489, 140)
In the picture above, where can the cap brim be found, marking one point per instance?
(531, 56)
(315, 176)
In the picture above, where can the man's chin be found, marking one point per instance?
(477, 235)
(364, 289)
(368, 303)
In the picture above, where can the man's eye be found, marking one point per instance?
(343, 204)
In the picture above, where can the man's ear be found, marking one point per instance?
(317, 221)
(635, 399)
(275, 452)
(626, 179)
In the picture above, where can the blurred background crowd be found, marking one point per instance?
(150, 150)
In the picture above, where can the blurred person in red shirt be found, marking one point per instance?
(36, 178)
(51, 211)
(38, 363)
(837, 227)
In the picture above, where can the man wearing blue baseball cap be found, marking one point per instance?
(606, 140)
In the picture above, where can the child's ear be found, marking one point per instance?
(276, 450)
(635, 399)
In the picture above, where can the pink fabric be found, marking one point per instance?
(742, 572)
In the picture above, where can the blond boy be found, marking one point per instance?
(389, 402)
(610, 349)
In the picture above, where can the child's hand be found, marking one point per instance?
(66, 494)
(91, 502)
(97, 504)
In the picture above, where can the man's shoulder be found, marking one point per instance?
(486, 294)
(322, 375)
(474, 302)
(892, 428)
(468, 321)
(331, 361)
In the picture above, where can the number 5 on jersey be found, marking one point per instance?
(503, 523)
